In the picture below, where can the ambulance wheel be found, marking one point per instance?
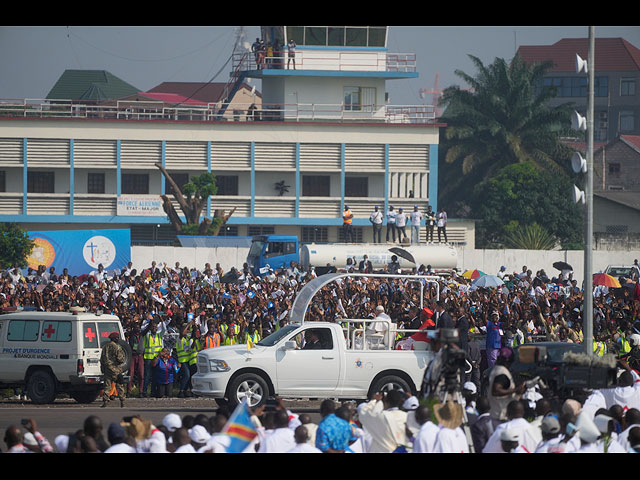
(41, 387)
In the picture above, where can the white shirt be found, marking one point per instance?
(416, 218)
(376, 217)
(120, 448)
(391, 216)
(304, 448)
(451, 440)
(401, 219)
(530, 436)
(386, 427)
(426, 438)
(188, 448)
(280, 440)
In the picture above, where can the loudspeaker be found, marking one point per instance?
(581, 65)
(578, 122)
(578, 163)
(578, 195)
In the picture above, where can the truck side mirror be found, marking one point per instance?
(290, 345)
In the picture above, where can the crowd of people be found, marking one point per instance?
(179, 311)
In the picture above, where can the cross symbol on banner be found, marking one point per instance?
(50, 330)
(89, 334)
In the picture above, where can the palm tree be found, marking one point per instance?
(503, 119)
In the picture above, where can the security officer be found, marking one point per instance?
(112, 361)
(252, 335)
(230, 331)
(183, 349)
(152, 348)
(347, 224)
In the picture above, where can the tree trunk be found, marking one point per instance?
(219, 213)
(174, 218)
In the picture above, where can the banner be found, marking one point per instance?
(140, 206)
(80, 251)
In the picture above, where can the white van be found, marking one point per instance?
(47, 353)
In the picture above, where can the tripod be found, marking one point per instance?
(457, 397)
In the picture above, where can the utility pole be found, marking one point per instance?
(588, 252)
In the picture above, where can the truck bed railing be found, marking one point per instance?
(358, 338)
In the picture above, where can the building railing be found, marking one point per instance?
(326, 59)
(236, 112)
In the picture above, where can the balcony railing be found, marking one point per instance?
(236, 112)
(329, 60)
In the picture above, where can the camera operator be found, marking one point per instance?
(445, 371)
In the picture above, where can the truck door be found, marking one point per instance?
(313, 368)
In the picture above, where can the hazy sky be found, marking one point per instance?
(33, 58)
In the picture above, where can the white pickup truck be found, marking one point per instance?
(280, 365)
(345, 366)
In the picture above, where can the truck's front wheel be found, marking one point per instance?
(248, 386)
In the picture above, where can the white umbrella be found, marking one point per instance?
(487, 281)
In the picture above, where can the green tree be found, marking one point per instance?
(504, 118)
(530, 237)
(521, 195)
(192, 198)
(15, 245)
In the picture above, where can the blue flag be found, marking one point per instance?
(240, 429)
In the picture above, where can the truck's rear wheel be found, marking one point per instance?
(248, 386)
(388, 383)
(41, 387)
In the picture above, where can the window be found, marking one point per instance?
(577, 86)
(614, 168)
(56, 331)
(40, 182)
(315, 234)
(180, 178)
(357, 234)
(228, 231)
(3, 181)
(627, 121)
(227, 184)
(359, 98)
(324, 337)
(356, 187)
(95, 183)
(105, 329)
(627, 87)
(90, 335)
(23, 330)
(275, 249)
(135, 183)
(339, 36)
(315, 185)
(260, 230)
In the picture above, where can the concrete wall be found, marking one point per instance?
(488, 261)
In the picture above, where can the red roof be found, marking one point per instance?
(633, 140)
(611, 54)
(203, 91)
(172, 98)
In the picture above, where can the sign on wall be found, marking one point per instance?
(80, 251)
(140, 206)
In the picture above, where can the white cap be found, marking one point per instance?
(199, 434)
(470, 386)
(411, 403)
(172, 421)
(510, 435)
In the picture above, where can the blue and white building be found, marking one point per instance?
(324, 130)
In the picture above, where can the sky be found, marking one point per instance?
(34, 57)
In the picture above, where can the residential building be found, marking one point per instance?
(617, 78)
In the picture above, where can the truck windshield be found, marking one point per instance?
(256, 248)
(276, 336)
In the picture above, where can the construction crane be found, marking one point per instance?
(436, 92)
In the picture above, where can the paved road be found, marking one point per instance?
(65, 416)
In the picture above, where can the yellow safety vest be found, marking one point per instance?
(184, 350)
(193, 355)
(230, 339)
(348, 215)
(152, 346)
(255, 338)
(599, 348)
